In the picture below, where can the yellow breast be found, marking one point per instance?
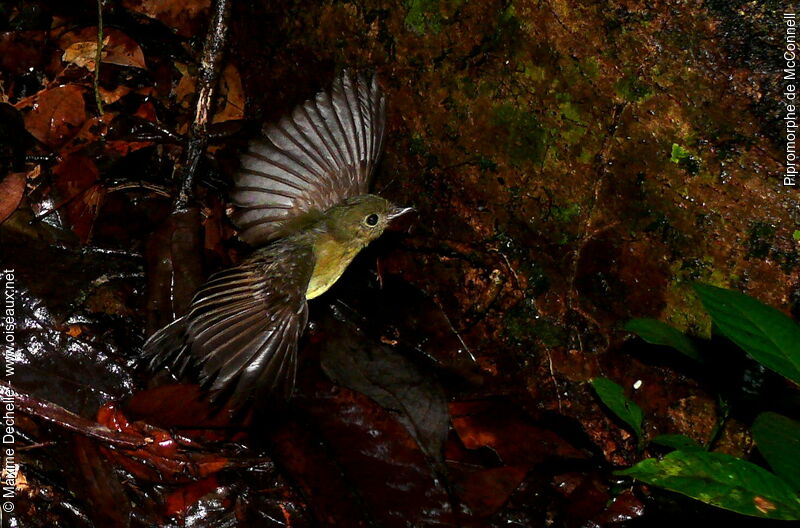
(331, 259)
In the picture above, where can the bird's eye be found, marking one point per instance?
(371, 220)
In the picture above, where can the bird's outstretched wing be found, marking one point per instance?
(324, 152)
(242, 327)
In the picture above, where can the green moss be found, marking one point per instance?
(524, 325)
(423, 16)
(796, 235)
(586, 156)
(571, 111)
(685, 311)
(684, 159)
(760, 239)
(486, 164)
(468, 87)
(417, 146)
(534, 72)
(590, 67)
(678, 153)
(632, 89)
(566, 214)
(526, 138)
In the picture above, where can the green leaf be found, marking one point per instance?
(658, 333)
(677, 441)
(796, 235)
(778, 440)
(721, 480)
(766, 334)
(613, 397)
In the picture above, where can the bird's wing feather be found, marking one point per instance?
(243, 326)
(324, 152)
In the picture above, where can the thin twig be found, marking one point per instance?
(98, 57)
(207, 77)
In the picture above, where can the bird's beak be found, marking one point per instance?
(401, 218)
(396, 212)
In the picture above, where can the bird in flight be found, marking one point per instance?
(302, 200)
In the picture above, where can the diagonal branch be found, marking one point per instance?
(210, 63)
(62, 417)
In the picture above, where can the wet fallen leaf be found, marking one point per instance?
(485, 491)
(183, 16)
(502, 427)
(20, 51)
(399, 313)
(54, 115)
(181, 499)
(185, 407)
(97, 482)
(317, 474)
(80, 48)
(12, 189)
(350, 358)
(166, 458)
(380, 458)
(79, 194)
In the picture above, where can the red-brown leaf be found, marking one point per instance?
(79, 194)
(55, 114)
(165, 459)
(11, 190)
(184, 16)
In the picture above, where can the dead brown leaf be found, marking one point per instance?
(79, 193)
(54, 115)
(11, 190)
(184, 16)
(80, 48)
(230, 104)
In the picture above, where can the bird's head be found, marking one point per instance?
(361, 219)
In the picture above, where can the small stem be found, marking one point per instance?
(98, 57)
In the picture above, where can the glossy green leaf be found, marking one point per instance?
(778, 440)
(658, 333)
(766, 334)
(677, 441)
(721, 480)
(613, 396)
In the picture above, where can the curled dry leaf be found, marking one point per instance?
(11, 190)
(80, 48)
(54, 115)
